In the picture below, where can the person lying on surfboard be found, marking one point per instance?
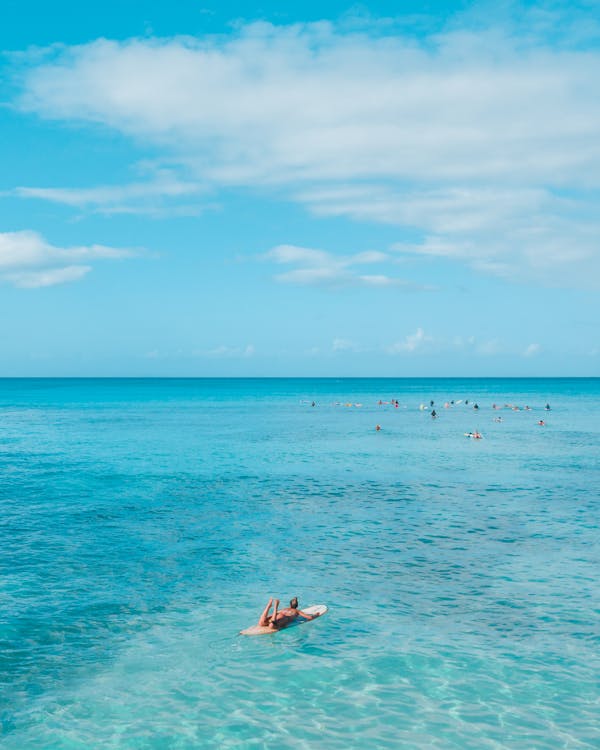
(282, 617)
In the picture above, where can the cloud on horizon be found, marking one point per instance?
(229, 352)
(483, 143)
(421, 343)
(28, 261)
(413, 342)
(532, 350)
(320, 268)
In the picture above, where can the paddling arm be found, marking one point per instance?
(307, 616)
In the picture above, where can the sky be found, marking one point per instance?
(202, 188)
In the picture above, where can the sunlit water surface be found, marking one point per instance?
(144, 523)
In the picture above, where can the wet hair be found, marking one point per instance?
(294, 603)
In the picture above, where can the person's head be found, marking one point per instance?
(294, 603)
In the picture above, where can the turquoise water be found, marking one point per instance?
(145, 522)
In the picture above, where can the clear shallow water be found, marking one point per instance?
(145, 522)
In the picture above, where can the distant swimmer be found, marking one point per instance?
(477, 435)
(431, 403)
(313, 404)
(433, 414)
(498, 419)
(547, 407)
(542, 423)
(377, 428)
(282, 618)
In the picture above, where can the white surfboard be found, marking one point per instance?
(319, 609)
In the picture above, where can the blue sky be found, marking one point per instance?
(394, 189)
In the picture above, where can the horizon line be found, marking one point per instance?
(299, 377)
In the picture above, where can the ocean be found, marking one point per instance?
(145, 522)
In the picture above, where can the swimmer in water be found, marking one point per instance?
(282, 618)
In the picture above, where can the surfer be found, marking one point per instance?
(283, 617)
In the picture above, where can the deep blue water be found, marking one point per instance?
(145, 522)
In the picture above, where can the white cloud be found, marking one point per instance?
(229, 352)
(46, 277)
(412, 343)
(27, 260)
(520, 233)
(320, 268)
(420, 342)
(157, 196)
(314, 276)
(532, 350)
(490, 348)
(484, 142)
(302, 255)
(459, 106)
(344, 345)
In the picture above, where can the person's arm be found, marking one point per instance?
(306, 615)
